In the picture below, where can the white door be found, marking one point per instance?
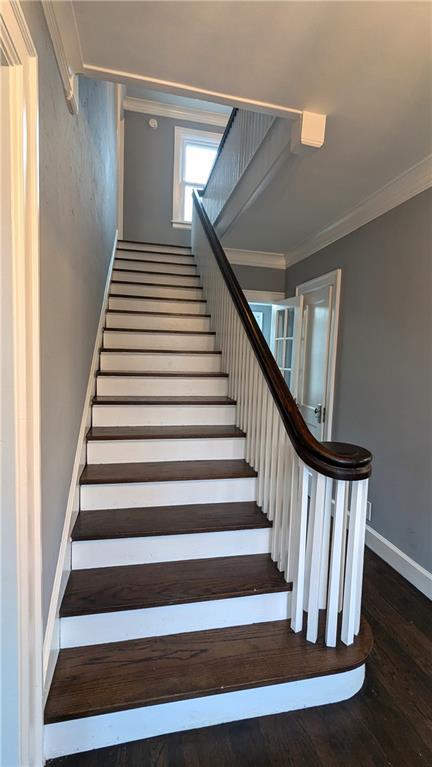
(286, 339)
(318, 352)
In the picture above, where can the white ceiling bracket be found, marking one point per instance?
(308, 132)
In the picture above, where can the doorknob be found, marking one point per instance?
(318, 410)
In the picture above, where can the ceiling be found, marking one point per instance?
(367, 65)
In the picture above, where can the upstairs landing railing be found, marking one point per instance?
(314, 493)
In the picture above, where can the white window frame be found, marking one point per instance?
(182, 136)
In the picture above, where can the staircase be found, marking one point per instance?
(176, 611)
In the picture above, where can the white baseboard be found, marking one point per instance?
(51, 643)
(402, 563)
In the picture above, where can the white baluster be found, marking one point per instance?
(315, 565)
(338, 543)
(325, 544)
(354, 561)
(299, 549)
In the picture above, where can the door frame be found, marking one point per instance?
(330, 279)
(25, 461)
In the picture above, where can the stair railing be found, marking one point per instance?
(314, 493)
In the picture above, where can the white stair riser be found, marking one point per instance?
(142, 450)
(157, 305)
(123, 625)
(155, 266)
(157, 322)
(168, 548)
(135, 724)
(179, 493)
(155, 291)
(151, 247)
(161, 363)
(164, 415)
(114, 339)
(139, 255)
(161, 387)
(156, 277)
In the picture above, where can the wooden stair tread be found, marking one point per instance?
(165, 471)
(132, 399)
(168, 520)
(161, 332)
(122, 350)
(157, 285)
(159, 298)
(163, 432)
(151, 260)
(160, 374)
(104, 678)
(161, 273)
(132, 587)
(158, 314)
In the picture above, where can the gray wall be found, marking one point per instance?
(148, 179)
(77, 228)
(383, 396)
(259, 278)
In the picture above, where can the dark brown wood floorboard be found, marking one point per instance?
(170, 332)
(143, 672)
(168, 520)
(164, 432)
(132, 587)
(387, 724)
(132, 399)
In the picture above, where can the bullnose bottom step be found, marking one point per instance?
(102, 679)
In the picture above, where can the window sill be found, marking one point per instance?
(181, 225)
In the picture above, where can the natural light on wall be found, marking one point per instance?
(194, 155)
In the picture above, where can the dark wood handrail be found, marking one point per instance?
(228, 127)
(333, 459)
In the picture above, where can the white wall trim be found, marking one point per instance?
(20, 183)
(417, 575)
(175, 112)
(260, 258)
(264, 296)
(57, 24)
(51, 643)
(413, 181)
(185, 89)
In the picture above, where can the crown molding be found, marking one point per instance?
(260, 258)
(161, 109)
(413, 181)
(63, 30)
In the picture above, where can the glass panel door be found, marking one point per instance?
(287, 329)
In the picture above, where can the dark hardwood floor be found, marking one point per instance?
(388, 723)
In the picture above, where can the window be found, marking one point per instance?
(194, 155)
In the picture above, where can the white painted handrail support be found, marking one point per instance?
(319, 519)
